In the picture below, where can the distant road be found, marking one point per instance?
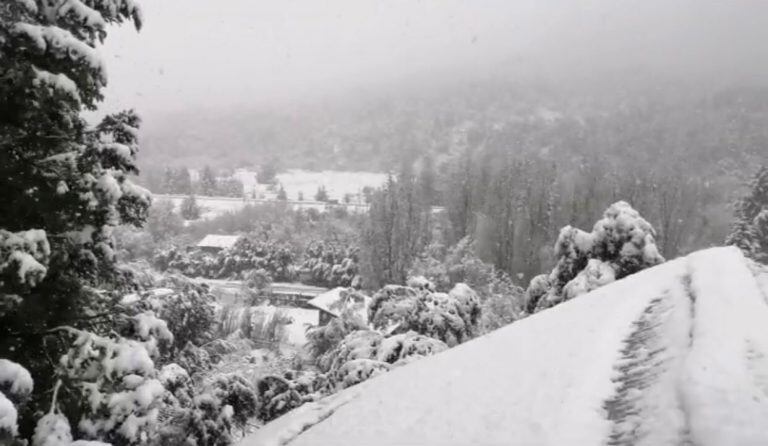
(220, 205)
(214, 206)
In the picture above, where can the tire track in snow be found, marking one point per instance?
(647, 408)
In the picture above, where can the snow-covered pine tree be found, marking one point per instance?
(64, 185)
(750, 228)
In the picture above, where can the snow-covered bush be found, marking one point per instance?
(234, 390)
(186, 306)
(331, 265)
(279, 394)
(323, 338)
(453, 317)
(247, 255)
(366, 353)
(356, 371)
(501, 301)
(620, 244)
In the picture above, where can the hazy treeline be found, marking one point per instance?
(680, 161)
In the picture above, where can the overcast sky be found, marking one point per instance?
(232, 53)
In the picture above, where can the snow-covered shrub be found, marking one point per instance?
(280, 394)
(620, 244)
(453, 317)
(234, 390)
(402, 348)
(596, 274)
(365, 353)
(331, 265)
(625, 240)
(360, 344)
(248, 254)
(204, 422)
(194, 359)
(192, 414)
(356, 371)
(501, 301)
(186, 306)
(323, 338)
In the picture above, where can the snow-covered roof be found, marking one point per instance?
(333, 301)
(218, 241)
(296, 288)
(676, 354)
(327, 300)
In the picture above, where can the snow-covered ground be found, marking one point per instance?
(211, 207)
(674, 355)
(296, 181)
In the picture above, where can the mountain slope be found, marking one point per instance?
(674, 355)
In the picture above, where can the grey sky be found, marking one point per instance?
(231, 53)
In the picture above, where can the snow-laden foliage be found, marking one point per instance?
(501, 300)
(186, 306)
(15, 387)
(248, 254)
(452, 317)
(115, 381)
(331, 266)
(323, 338)
(356, 371)
(366, 353)
(279, 394)
(66, 184)
(23, 257)
(620, 244)
(750, 228)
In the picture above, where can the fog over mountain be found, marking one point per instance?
(258, 54)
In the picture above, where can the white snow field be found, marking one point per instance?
(674, 355)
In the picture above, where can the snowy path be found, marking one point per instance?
(675, 355)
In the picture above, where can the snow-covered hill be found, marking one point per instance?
(674, 355)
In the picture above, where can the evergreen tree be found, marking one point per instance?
(183, 181)
(750, 229)
(67, 183)
(281, 195)
(396, 231)
(267, 173)
(321, 194)
(189, 208)
(168, 183)
(208, 183)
